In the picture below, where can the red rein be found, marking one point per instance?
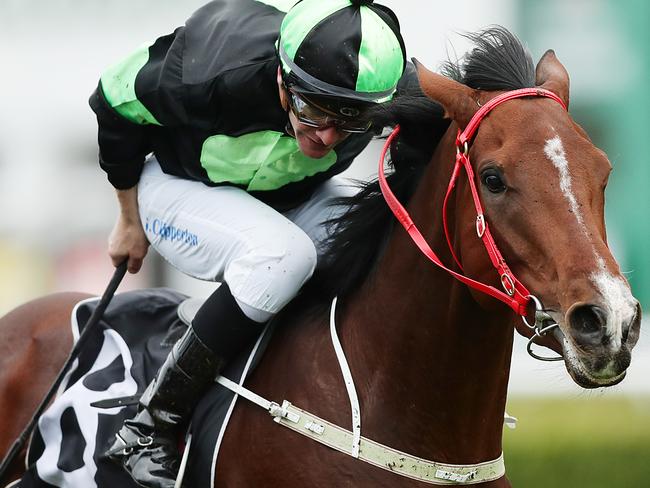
(515, 294)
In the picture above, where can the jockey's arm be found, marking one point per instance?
(123, 136)
(127, 239)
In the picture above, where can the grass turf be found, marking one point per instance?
(590, 442)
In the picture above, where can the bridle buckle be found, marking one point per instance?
(480, 225)
(508, 284)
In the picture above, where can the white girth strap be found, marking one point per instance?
(355, 445)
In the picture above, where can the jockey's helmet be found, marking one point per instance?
(346, 54)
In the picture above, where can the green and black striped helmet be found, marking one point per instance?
(345, 51)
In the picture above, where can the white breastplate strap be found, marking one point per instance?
(372, 452)
(349, 382)
(353, 444)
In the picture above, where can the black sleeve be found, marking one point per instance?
(123, 145)
(159, 100)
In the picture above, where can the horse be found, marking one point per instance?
(430, 356)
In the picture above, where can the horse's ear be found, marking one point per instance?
(458, 100)
(551, 75)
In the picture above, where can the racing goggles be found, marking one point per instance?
(312, 115)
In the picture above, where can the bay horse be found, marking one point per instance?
(429, 355)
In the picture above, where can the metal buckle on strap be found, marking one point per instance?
(282, 412)
(480, 225)
(129, 447)
(145, 441)
(508, 284)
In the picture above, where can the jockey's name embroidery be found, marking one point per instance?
(167, 231)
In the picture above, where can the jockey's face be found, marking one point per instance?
(315, 142)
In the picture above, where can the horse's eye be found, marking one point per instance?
(492, 180)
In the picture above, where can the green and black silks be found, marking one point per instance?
(205, 101)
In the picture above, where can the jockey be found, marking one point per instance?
(221, 140)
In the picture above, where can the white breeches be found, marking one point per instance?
(224, 234)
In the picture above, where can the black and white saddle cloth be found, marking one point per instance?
(121, 358)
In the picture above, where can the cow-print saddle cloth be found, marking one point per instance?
(131, 342)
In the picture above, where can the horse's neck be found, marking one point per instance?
(431, 366)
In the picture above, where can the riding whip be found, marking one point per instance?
(94, 319)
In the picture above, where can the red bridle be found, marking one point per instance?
(516, 296)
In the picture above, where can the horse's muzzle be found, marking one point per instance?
(597, 352)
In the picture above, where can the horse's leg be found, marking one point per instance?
(35, 340)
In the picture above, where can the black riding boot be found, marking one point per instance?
(146, 446)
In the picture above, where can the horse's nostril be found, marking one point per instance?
(631, 328)
(588, 323)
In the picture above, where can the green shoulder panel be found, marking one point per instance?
(118, 85)
(261, 161)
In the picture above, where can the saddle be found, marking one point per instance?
(136, 334)
(188, 308)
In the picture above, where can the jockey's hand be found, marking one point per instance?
(127, 239)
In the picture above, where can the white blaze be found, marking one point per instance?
(617, 297)
(554, 150)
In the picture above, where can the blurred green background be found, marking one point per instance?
(579, 442)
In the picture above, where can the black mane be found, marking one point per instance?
(497, 62)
